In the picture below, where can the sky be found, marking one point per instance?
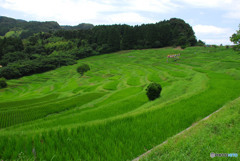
(213, 21)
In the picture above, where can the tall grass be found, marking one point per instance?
(16, 116)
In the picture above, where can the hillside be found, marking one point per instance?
(82, 26)
(24, 29)
(27, 28)
(105, 114)
(217, 134)
(47, 51)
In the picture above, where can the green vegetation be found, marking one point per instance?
(28, 112)
(83, 68)
(236, 40)
(106, 115)
(3, 83)
(82, 26)
(19, 28)
(219, 134)
(13, 33)
(153, 91)
(10, 27)
(51, 47)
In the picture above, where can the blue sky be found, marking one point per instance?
(213, 21)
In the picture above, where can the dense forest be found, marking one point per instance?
(45, 51)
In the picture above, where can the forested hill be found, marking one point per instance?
(48, 50)
(81, 26)
(23, 29)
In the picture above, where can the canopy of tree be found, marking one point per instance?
(236, 40)
(117, 37)
(153, 90)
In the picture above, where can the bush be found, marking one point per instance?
(10, 72)
(83, 68)
(183, 46)
(42, 64)
(3, 83)
(153, 91)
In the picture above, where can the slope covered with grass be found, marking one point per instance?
(218, 134)
(105, 115)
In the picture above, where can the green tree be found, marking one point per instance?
(83, 68)
(12, 57)
(153, 91)
(128, 38)
(3, 83)
(236, 40)
(200, 43)
(9, 72)
(114, 39)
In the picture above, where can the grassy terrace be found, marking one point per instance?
(219, 134)
(105, 115)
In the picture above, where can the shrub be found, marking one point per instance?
(42, 64)
(183, 46)
(3, 83)
(83, 68)
(10, 72)
(153, 91)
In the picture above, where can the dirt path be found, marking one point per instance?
(139, 157)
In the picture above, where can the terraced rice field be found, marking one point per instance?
(106, 115)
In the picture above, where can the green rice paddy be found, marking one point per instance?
(220, 134)
(106, 115)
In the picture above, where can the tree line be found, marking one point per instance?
(173, 32)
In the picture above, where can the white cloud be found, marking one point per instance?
(209, 29)
(234, 11)
(158, 6)
(64, 11)
(207, 3)
(218, 41)
(128, 18)
(233, 15)
(231, 7)
(213, 34)
(75, 11)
